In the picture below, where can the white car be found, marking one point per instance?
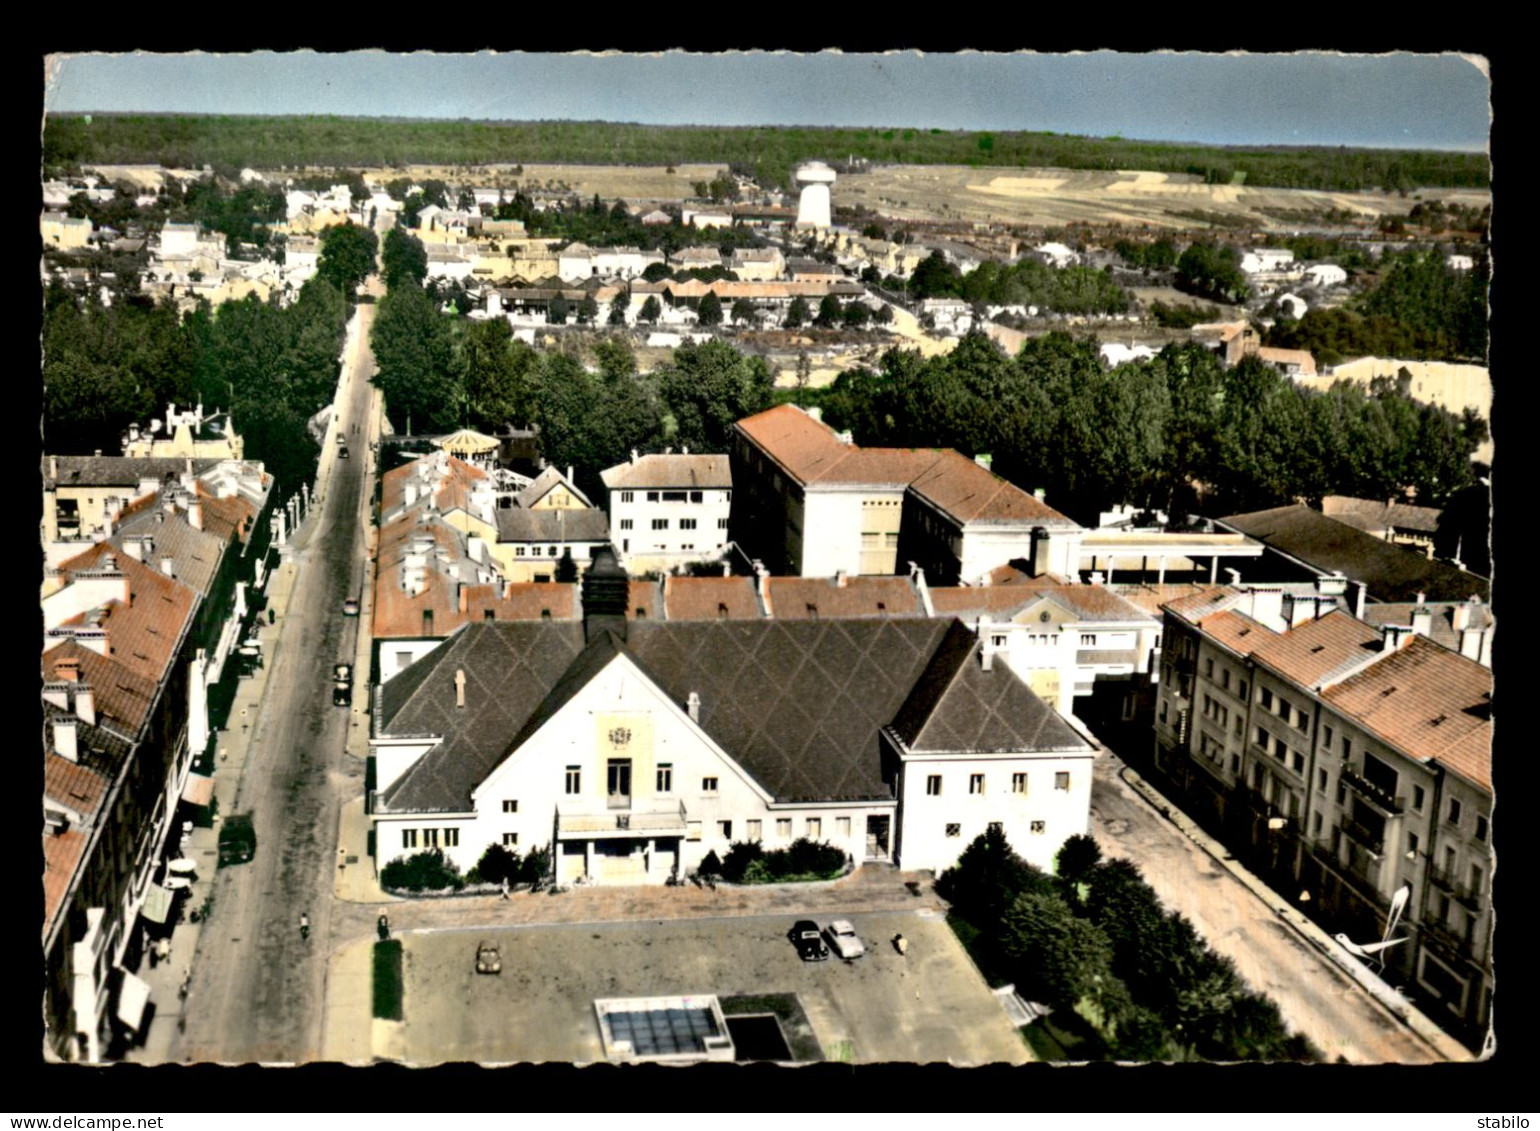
(842, 938)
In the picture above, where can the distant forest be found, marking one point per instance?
(768, 153)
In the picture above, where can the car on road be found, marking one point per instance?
(237, 839)
(350, 607)
(342, 685)
(842, 937)
(342, 453)
(488, 960)
(805, 936)
(341, 439)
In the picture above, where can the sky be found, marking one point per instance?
(1414, 101)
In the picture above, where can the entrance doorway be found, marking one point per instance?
(618, 783)
(877, 837)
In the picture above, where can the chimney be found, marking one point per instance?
(684, 449)
(53, 467)
(64, 744)
(1040, 495)
(195, 512)
(986, 646)
(841, 579)
(1359, 597)
(1422, 598)
(1460, 616)
(1394, 636)
(917, 575)
(633, 455)
(98, 453)
(1422, 619)
(460, 687)
(463, 596)
(693, 706)
(66, 671)
(815, 412)
(85, 704)
(188, 467)
(1232, 576)
(168, 566)
(569, 473)
(409, 495)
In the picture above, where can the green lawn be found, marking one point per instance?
(388, 980)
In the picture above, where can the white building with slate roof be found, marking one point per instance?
(633, 750)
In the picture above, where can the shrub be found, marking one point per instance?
(497, 864)
(711, 865)
(387, 980)
(536, 866)
(739, 857)
(421, 871)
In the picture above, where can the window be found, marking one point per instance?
(451, 838)
(842, 827)
(1347, 748)
(1061, 779)
(1341, 794)
(628, 496)
(519, 551)
(1454, 810)
(510, 839)
(1412, 844)
(660, 524)
(408, 838)
(627, 524)
(753, 829)
(535, 551)
(1315, 824)
(1241, 690)
(996, 827)
(721, 524)
(1419, 796)
(430, 838)
(996, 640)
(574, 780)
(1163, 709)
(1476, 876)
(783, 827)
(1320, 780)
(1481, 828)
(1088, 640)
(1018, 783)
(1326, 741)
(1265, 697)
(403, 660)
(1262, 737)
(725, 830)
(1235, 763)
(933, 785)
(652, 496)
(975, 783)
(697, 496)
(954, 830)
(673, 496)
(814, 828)
(687, 524)
(708, 786)
(1208, 668)
(1039, 827)
(1298, 762)
(510, 806)
(665, 778)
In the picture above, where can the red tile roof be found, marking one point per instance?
(1238, 632)
(1432, 703)
(1312, 652)
(710, 598)
(804, 598)
(643, 603)
(72, 785)
(143, 635)
(61, 856)
(123, 697)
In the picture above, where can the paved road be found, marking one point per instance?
(258, 988)
(1313, 995)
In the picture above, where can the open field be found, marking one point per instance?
(1055, 197)
(930, 1005)
(611, 182)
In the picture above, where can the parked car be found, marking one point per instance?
(842, 937)
(350, 607)
(342, 453)
(342, 684)
(488, 960)
(237, 839)
(809, 942)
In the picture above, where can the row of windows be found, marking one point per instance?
(976, 783)
(662, 524)
(1284, 709)
(812, 828)
(431, 838)
(954, 828)
(672, 496)
(536, 551)
(663, 781)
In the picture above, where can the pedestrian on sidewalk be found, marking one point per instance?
(505, 887)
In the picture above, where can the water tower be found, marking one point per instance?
(813, 209)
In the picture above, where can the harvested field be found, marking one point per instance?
(611, 182)
(1055, 197)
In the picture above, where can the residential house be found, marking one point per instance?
(706, 216)
(667, 511)
(807, 502)
(191, 432)
(757, 264)
(1238, 340)
(633, 747)
(1351, 765)
(1401, 523)
(1325, 275)
(66, 232)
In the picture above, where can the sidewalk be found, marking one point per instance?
(1398, 1006)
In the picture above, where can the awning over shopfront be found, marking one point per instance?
(199, 790)
(157, 904)
(132, 999)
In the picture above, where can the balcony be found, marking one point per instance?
(1106, 657)
(582, 821)
(1365, 836)
(1451, 944)
(1380, 798)
(1445, 880)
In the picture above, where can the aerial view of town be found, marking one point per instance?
(642, 577)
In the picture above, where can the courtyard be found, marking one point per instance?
(930, 1005)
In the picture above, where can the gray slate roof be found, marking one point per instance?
(118, 471)
(515, 524)
(799, 705)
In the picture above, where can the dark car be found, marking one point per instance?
(237, 839)
(806, 937)
(342, 453)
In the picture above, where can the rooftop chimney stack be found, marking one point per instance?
(64, 739)
(1461, 616)
(693, 706)
(460, 687)
(85, 704)
(53, 467)
(986, 645)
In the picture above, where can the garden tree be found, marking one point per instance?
(404, 259)
(347, 256)
(466, 201)
(587, 311)
(1065, 959)
(710, 310)
(499, 373)
(1447, 308)
(593, 420)
(655, 272)
(537, 866)
(498, 864)
(616, 358)
(618, 307)
(708, 387)
(1077, 856)
(416, 367)
(651, 311)
(935, 277)
(744, 312)
(856, 315)
(829, 312)
(1194, 378)
(988, 877)
(1334, 334)
(1212, 272)
(883, 315)
(317, 324)
(277, 435)
(871, 276)
(1258, 449)
(556, 313)
(804, 371)
(1146, 948)
(797, 313)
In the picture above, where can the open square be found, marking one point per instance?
(928, 1005)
